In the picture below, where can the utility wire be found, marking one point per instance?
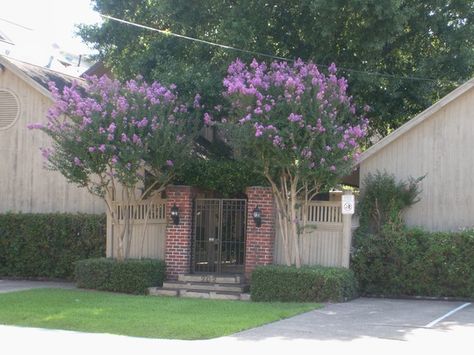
(168, 33)
(16, 24)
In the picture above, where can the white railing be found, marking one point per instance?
(324, 212)
(156, 211)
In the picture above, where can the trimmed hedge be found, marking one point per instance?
(47, 245)
(413, 262)
(307, 284)
(129, 276)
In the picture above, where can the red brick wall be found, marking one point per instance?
(260, 241)
(178, 237)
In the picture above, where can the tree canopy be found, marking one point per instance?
(399, 56)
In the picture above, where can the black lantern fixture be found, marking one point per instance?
(257, 216)
(175, 214)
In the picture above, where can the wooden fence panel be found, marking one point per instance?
(322, 242)
(148, 233)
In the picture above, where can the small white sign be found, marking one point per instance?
(348, 204)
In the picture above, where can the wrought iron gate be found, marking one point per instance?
(219, 235)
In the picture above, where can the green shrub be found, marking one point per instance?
(47, 245)
(129, 276)
(307, 284)
(384, 199)
(415, 263)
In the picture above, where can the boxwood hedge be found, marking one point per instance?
(306, 284)
(129, 276)
(413, 262)
(47, 245)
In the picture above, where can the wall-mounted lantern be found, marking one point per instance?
(257, 216)
(175, 214)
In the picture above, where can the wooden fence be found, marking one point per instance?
(148, 232)
(324, 241)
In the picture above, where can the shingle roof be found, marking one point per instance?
(43, 75)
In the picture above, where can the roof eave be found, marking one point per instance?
(12, 67)
(415, 121)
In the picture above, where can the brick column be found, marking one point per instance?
(178, 237)
(260, 241)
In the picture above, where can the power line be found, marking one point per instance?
(169, 33)
(16, 24)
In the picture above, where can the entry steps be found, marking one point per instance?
(223, 287)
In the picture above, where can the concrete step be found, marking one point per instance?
(213, 295)
(158, 291)
(190, 293)
(223, 287)
(211, 278)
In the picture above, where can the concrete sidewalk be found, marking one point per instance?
(20, 285)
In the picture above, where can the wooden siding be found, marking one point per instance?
(24, 185)
(322, 244)
(148, 234)
(442, 148)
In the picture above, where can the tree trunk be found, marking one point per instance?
(294, 220)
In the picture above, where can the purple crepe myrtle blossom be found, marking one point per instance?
(35, 125)
(208, 119)
(77, 161)
(142, 123)
(102, 148)
(169, 163)
(293, 117)
(112, 127)
(91, 149)
(136, 139)
(197, 101)
(46, 152)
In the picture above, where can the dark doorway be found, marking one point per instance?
(219, 236)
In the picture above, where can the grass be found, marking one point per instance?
(142, 316)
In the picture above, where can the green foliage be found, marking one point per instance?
(416, 263)
(384, 199)
(128, 276)
(428, 39)
(228, 177)
(306, 284)
(47, 245)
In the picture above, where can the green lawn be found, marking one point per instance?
(143, 316)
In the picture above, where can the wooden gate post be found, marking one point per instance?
(346, 237)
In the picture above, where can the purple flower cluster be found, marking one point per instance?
(112, 122)
(298, 109)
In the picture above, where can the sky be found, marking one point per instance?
(45, 22)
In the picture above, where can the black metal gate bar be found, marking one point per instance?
(219, 235)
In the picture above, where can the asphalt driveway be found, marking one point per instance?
(388, 319)
(365, 325)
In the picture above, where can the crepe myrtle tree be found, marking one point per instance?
(302, 128)
(107, 136)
